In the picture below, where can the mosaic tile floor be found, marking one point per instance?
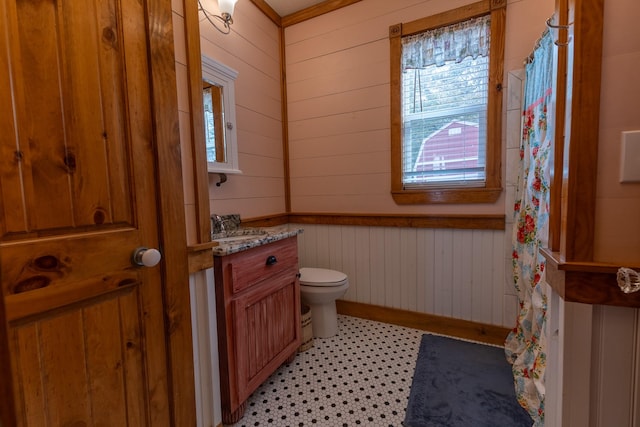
(361, 377)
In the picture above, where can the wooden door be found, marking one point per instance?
(86, 331)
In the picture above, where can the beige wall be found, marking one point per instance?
(617, 234)
(253, 50)
(338, 102)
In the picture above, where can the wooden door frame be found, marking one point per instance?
(7, 405)
(170, 200)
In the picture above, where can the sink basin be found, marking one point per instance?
(240, 235)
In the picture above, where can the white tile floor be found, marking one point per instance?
(361, 377)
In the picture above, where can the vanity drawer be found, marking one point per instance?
(256, 264)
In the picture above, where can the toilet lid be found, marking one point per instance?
(321, 277)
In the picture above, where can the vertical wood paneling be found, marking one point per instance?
(63, 358)
(635, 415)
(308, 251)
(67, 76)
(204, 337)
(462, 274)
(444, 264)
(428, 259)
(452, 273)
(322, 246)
(104, 363)
(31, 405)
(377, 268)
(132, 343)
(488, 254)
(268, 327)
(477, 268)
(85, 143)
(497, 279)
(393, 265)
(421, 273)
(46, 185)
(362, 261)
(408, 274)
(335, 254)
(614, 337)
(349, 260)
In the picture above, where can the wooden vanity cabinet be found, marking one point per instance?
(258, 312)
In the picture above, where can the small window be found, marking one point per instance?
(447, 106)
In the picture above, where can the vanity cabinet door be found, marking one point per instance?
(267, 329)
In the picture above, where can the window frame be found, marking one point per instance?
(491, 191)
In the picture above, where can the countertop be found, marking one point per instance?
(244, 238)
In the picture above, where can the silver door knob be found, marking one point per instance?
(146, 257)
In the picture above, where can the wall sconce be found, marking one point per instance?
(226, 11)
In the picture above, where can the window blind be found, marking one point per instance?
(445, 75)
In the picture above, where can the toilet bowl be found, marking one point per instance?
(320, 288)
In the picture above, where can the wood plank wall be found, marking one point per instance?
(253, 49)
(339, 105)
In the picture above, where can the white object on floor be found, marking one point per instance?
(320, 288)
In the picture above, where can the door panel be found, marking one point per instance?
(78, 196)
(70, 156)
(72, 365)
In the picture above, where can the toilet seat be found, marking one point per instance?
(321, 277)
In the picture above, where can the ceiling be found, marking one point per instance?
(287, 7)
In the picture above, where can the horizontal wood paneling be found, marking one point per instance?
(446, 272)
(337, 71)
(253, 49)
(315, 11)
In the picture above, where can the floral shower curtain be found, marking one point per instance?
(525, 346)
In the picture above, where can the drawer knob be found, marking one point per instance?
(271, 260)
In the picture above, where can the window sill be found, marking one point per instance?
(447, 195)
(232, 171)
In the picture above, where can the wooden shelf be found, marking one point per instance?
(200, 256)
(587, 282)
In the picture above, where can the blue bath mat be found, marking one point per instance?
(462, 384)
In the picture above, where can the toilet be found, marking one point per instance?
(320, 288)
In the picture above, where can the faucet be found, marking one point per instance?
(220, 222)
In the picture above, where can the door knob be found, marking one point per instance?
(146, 257)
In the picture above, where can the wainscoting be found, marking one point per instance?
(205, 348)
(446, 272)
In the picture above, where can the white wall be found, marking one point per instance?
(452, 273)
(594, 377)
(205, 349)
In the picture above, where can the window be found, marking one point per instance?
(446, 106)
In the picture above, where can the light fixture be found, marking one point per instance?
(226, 11)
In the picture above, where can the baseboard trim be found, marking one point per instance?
(490, 334)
